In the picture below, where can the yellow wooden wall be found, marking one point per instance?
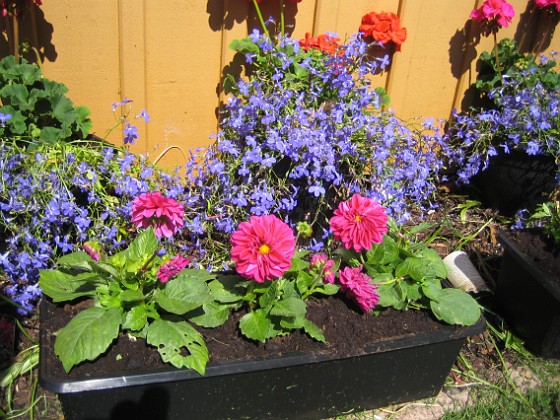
(169, 55)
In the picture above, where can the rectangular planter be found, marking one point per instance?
(293, 386)
(529, 301)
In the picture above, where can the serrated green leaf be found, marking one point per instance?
(87, 335)
(256, 325)
(183, 294)
(173, 337)
(455, 307)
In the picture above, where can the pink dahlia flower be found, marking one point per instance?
(322, 263)
(357, 286)
(172, 267)
(262, 248)
(359, 223)
(153, 209)
(545, 3)
(498, 11)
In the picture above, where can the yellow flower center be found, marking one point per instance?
(264, 249)
(358, 218)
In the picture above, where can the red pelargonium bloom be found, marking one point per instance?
(359, 223)
(325, 43)
(542, 4)
(384, 27)
(172, 267)
(153, 209)
(262, 248)
(357, 286)
(494, 14)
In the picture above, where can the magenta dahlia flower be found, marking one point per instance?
(153, 209)
(172, 267)
(357, 286)
(262, 248)
(359, 223)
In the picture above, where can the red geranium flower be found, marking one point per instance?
(262, 248)
(325, 43)
(172, 268)
(359, 223)
(384, 27)
(357, 286)
(153, 209)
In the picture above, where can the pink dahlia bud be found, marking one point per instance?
(153, 209)
(171, 268)
(323, 265)
(262, 248)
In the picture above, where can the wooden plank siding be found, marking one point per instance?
(169, 56)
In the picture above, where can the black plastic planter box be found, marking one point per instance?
(529, 301)
(294, 386)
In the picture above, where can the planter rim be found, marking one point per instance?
(529, 265)
(61, 385)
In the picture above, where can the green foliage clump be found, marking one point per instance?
(39, 107)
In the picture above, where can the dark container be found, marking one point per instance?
(514, 181)
(529, 301)
(294, 386)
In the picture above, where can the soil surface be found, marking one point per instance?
(347, 330)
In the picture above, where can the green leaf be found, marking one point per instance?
(83, 121)
(256, 325)
(389, 296)
(291, 307)
(64, 287)
(173, 337)
(136, 318)
(225, 289)
(183, 294)
(132, 295)
(327, 289)
(215, 314)
(62, 109)
(314, 331)
(87, 335)
(455, 307)
(76, 260)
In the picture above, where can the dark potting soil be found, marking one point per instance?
(347, 332)
(539, 248)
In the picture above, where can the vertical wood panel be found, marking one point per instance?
(86, 40)
(169, 55)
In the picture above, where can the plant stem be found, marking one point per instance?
(496, 50)
(282, 18)
(261, 20)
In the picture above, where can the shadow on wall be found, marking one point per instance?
(35, 36)
(533, 35)
(225, 15)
